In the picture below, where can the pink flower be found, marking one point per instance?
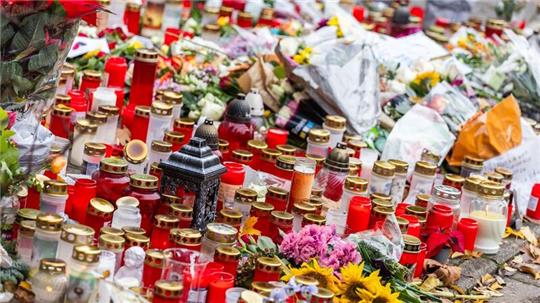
(12, 117)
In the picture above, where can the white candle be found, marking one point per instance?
(491, 228)
(103, 96)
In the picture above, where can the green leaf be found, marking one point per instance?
(45, 58)
(196, 14)
(279, 71)
(21, 85)
(4, 119)
(9, 69)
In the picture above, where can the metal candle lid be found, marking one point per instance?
(277, 192)
(114, 166)
(170, 199)
(491, 190)
(380, 196)
(181, 211)
(137, 240)
(281, 217)
(85, 126)
(52, 266)
(161, 146)
(86, 253)
(270, 154)
(412, 244)
(100, 208)
(220, 232)
(226, 254)
(303, 208)
(143, 181)
(135, 151)
(62, 99)
(185, 236)
(454, 180)
(446, 192)
(383, 168)
(109, 110)
(257, 145)
(173, 137)
(172, 97)
(335, 121)
(96, 117)
(318, 135)
(107, 230)
(338, 159)
(208, 132)
(472, 183)
(184, 123)
(267, 264)
(287, 150)
(356, 184)
(133, 230)
(49, 222)
(285, 162)
(472, 162)
(111, 242)
(242, 155)
(94, 149)
(154, 258)
(142, 111)
(401, 167)
(91, 74)
(55, 188)
(161, 108)
(263, 288)
(425, 168)
(168, 289)
(223, 145)
(245, 195)
(312, 218)
(62, 110)
(505, 172)
(146, 55)
(422, 200)
(27, 214)
(165, 221)
(494, 177)
(230, 216)
(77, 234)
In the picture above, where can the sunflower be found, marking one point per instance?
(324, 275)
(353, 280)
(382, 295)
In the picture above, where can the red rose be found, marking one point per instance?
(79, 8)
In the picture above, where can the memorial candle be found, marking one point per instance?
(302, 180)
(144, 75)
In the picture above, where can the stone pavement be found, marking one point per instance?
(520, 287)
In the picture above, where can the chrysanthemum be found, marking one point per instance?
(382, 295)
(353, 280)
(324, 275)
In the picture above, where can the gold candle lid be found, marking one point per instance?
(382, 211)
(100, 208)
(316, 192)
(133, 230)
(107, 230)
(316, 202)
(282, 217)
(335, 122)
(425, 168)
(94, 149)
(62, 99)
(262, 288)
(262, 207)
(446, 192)
(249, 296)
(401, 166)
(161, 108)
(154, 258)
(270, 154)
(356, 144)
(277, 192)
(226, 253)
(494, 176)
(245, 15)
(491, 190)
(146, 55)
(27, 227)
(356, 184)
(383, 168)
(267, 13)
(53, 266)
(133, 7)
(472, 183)
(314, 219)
(96, 117)
(168, 289)
(181, 211)
(245, 195)
(403, 224)
(355, 165)
(303, 208)
(142, 111)
(115, 166)
(55, 188)
(86, 253)
(49, 222)
(91, 74)
(422, 200)
(165, 221)
(155, 169)
(412, 244)
(221, 232)
(505, 172)
(225, 10)
(109, 110)
(173, 137)
(27, 214)
(185, 236)
(171, 199)
(137, 240)
(172, 97)
(111, 242)
(286, 149)
(382, 203)
(285, 162)
(242, 155)
(306, 280)
(77, 234)
(68, 69)
(472, 162)
(454, 180)
(230, 216)
(211, 27)
(223, 145)
(135, 151)
(380, 196)
(62, 110)
(143, 181)
(268, 264)
(429, 156)
(318, 135)
(256, 145)
(418, 211)
(184, 123)
(161, 146)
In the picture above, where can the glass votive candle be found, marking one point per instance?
(353, 186)
(267, 269)
(268, 160)
(277, 197)
(46, 236)
(231, 180)
(447, 195)
(229, 258)
(54, 196)
(276, 136)
(24, 240)
(318, 142)
(50, 282)
(183, 213)
(166, 291)
(114, 244)
(243, 198)
(382, 176)
(153, 265)
(413, 225)
(422, 200)
(399, 181)
(92, 155)
(256, 147)
(160, 233)
(471, 165)
(298, 211)
(186, 238)
(230, 216)
(217, 234)
(421, 258)
(185, 126)
(261, 211)
(313, 219)
(378, 214)
(99, 213)
(72, 235)
(280, 220)
(302, 181)
(440, 217)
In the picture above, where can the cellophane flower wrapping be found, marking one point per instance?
(36, 37)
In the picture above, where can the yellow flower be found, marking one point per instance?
(433, 76)
(223, 21)
(333, 21)
(136, 44)
(91, 53)
(57, 164)
(353, 280)
(324, 275)
(303, 55)
(249, 227)
(382, 295)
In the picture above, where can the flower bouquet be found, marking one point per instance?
(35, 39)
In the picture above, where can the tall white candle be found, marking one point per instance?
(491, 228)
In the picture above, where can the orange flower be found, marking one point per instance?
(57, 164)
(249, 227)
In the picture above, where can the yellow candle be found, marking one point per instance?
(491, 228)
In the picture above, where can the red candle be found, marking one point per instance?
(268, 160)
(262, 211)
(183, 213)
(175, 138)
(160, 233)
(359, 214)
(280, 221)
(90, 80)
(256, 147)
(119, 92)
(112, 179)
(144, 188)
(285, 167)
(440, 217)
(167, 291)
(220, 282)
(60, 124)
(421, 257)
(144, 75)
(277, 197)
(132, 17)
(70, 200)
(414, 226)
(186, 238)
(115, 72)
(99, 213)
(276, 136)
(139, 127)
(223, 148)
(244, 20)
(231, 180)
(228, 257)
(184, 126)
(83, 191)
(409, 257)
(267, 269)
(79, 104)
(164, 208)
(469, 228)
(231, 217)
(153, 264)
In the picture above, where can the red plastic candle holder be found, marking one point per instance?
(469, 228)
(359, 214)
(439, 217)
(276, 136)
(220, 282)
(115, 72)
(83, 191)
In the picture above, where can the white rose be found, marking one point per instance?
(213, 110)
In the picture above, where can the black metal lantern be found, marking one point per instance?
(194, 172)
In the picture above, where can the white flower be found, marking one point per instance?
(213, 110)
(396, 87)
(189, 25)
(404, 74)
(277, 90)
(194, 114)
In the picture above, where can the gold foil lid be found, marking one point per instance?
(285, 162)
(51, 265)
(146, 55)
(382, 211)
(318, 135)
(334, 121)
(133, 7)
(181, 211)
(172, 97)
(415, 210)
(111, 242)
(68, 69)
(107, 230)
(94, 149)
(282, 217)
(242, 155)
(262, 207)
(454, 180)
(505, 172)
(49, 222)
(315, 201)
(472, 183)
(27, 227)
(267, 13)
(142, 111)
(245, 195)
(62, 110)
(184, 123)
(211, 27)
(473, 162)
(223, 145)
(55, 188)
(267, 264)
(287, 150)
(137, 240)
(317, 158)
(91, 74)
(114, 166)
(165, 221)
(355, 165)
(249, 296)
(161, 108)
(168, 289)
(27, 214)
(270, 154)
(85, 126)
(155, 169)
(220, 232)
(245, 15)
(230, 216)
(316, 192)
(403, 224)
(422, 200)
(100, 208)
(401, 166)
(277, 192)
(306, 280)
(143, 181)
(225, 10)
(384, 168)
(62, 99)
(77, 233)
(303, 208)
(356, 184)
(109, 110)
(491, 190)
(495, 177)
(425, 168)
(161, 146)
(226, 253)
(380, 196)
(262, 288)
(314, 219)
(185, 236)
(382, 203)
(135, 151)
(170, 199)
(86, 253)
(96, 117)
(357, 145)
(133, 230)
(173, 137)
(412, 243)
(154, 258)
(257, 144)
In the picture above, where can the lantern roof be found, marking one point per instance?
(194, 161)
